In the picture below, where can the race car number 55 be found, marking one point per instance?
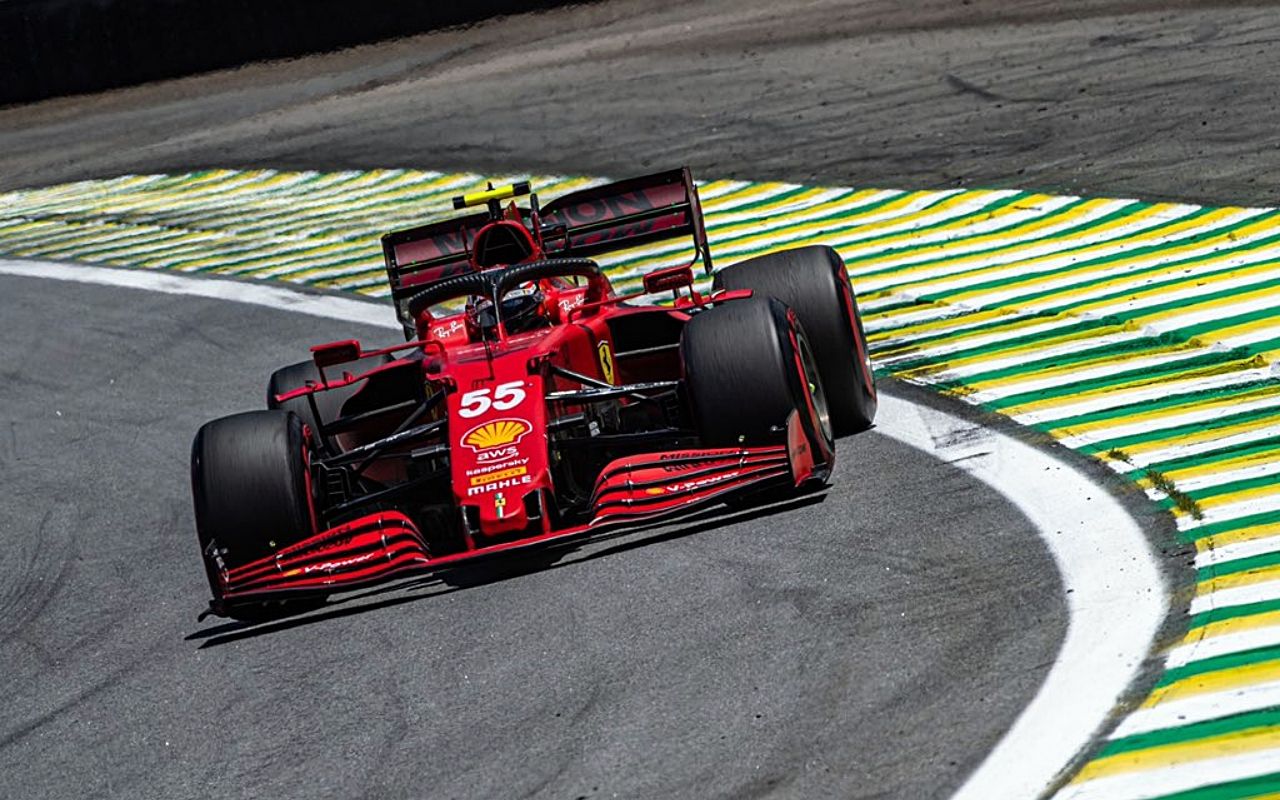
(506, 396)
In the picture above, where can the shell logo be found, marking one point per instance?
(497, 433)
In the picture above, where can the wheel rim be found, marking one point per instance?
(813, 384)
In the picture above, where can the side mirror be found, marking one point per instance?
(671, 279)
(334, 353)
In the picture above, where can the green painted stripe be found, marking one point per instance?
(1236, 723)
(1186, 305)
(1172, 434)
(1244, 658)
(1011, 247)
(1038, 277)
(1190, 365)
(1170, 401)
(1236, 566)
(1028, 367)
(1110, 238)
(1259, 447)
(1231, 612)
(1226, 526)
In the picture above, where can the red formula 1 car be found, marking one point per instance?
(531, 404)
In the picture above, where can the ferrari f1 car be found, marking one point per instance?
(531, 404)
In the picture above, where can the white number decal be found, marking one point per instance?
(505, 397)
(474, 403)
(508, 395)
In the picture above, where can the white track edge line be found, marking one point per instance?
(1103, 650)
(1106, 565)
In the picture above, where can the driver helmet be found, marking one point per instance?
(523, 309)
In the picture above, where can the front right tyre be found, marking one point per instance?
(250, 481)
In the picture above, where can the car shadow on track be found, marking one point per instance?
(502, 568)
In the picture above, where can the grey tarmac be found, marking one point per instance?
(874, 641)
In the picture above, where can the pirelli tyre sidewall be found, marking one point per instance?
(747, 367)
(251, 485)
(813, 281)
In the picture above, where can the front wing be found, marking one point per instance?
(630, 491)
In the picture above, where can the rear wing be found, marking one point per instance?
(580, 224)
(624, 214)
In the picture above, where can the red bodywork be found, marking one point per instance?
(508, 397)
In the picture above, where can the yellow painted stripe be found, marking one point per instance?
(1238, 536)
(1174, 383)
(1225, 404)
(1210, 468)
(1057, 219)
(1225, 680)
(1083, 245)
(1231, 744)
(1084, 276)
(1249, 622)
(1027, 267)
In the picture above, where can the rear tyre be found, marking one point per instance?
(252, 492)
(295, 376)
(747, 366)
(813, 281)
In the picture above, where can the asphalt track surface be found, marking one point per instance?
(873, 644)
(853, 644)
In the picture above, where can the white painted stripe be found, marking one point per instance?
(1075, 376)
(1147, 784)
(1200, 708)
(1102, 651)
(1074, 278)
(992, 362)
(959, 343)
(1042, 236)
(1238, 550)
(1175, 252)
(1230, 511)
(1174, 451)
(1124, 309)
(1108, 241)
(942, 238)
(1141, 394)
(1147, 425)
(1210, 480)
(1236, 596)
(1221, 645)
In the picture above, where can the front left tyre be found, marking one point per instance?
(748, 366)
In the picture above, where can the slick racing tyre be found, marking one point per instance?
(295, 376)
(812, 280)
(747, 366)
(252, 490)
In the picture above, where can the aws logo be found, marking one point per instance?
(497, 433)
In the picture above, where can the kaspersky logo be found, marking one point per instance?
(496, 433)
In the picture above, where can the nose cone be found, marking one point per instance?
(504, 510)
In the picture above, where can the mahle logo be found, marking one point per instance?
(497, 433)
